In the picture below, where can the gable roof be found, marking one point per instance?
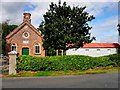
(20, 26)
(99, 45)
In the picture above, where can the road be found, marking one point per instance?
(106, 80)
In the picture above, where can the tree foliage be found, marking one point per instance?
(6, 29)
(118, 29)
(65, 25)
(119, 36)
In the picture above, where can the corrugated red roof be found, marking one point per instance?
(99, 45)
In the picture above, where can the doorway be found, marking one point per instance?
(25, 51)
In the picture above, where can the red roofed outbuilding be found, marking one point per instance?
(94, 49)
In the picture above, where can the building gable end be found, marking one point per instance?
(20, 27)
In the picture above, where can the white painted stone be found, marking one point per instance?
(12, 62)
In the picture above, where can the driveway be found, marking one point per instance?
(106, 80)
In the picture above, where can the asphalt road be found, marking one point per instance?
(106, 80)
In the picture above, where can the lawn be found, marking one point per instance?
(61, 73)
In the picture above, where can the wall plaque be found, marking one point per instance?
(25, 42)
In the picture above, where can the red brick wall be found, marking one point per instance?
(18, 39)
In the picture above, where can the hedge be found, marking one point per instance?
(72, 62)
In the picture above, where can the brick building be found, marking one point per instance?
(25, 39)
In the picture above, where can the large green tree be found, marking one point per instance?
(63, 25)
(6, 29)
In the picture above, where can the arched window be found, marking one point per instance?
(13, 47)
(37, 49)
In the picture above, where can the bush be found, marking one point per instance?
(57, 63)
(115, 58)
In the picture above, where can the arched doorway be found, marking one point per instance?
(25, 51)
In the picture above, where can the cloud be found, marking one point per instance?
(110, 38)
(12, 11)
(37, 13)
(106, 30)
(103, 30)
(104, 25)
(96, 8)
(62, 0)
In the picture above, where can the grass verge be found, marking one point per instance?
(60, 73)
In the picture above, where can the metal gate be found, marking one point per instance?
(4, 65)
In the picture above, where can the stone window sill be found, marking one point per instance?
(37, 53)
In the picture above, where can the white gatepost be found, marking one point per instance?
(12, 62)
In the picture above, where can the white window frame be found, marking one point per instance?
(38, 47)
(14, 47)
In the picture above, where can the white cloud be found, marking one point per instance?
(61, 0)
(106, 30)
(37, 13)
(104, 25)
(110, 38)
(97, 8)
(13, 10)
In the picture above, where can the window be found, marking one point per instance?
(26, 35)
(37, 49)
(98, 49)
(108, 50)
(74, 49)
(13, 47)
(86, 49)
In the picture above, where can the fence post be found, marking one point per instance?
(62, 52)
(12, 62)
(56, 52)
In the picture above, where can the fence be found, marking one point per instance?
(4, 65)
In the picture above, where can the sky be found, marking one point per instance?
(104, 26)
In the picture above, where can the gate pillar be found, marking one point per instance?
(12, 62)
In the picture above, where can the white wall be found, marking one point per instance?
(91, 51)
(118, 39)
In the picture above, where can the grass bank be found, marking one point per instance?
(67, 72)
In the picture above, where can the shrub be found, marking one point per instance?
(115, 58)
(57, 63)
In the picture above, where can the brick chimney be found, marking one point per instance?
(27, 17)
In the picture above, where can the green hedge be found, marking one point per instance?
(73, 62)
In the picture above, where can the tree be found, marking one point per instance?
(6, 29)
(118, 29)
(64, 25)
(118, 36)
